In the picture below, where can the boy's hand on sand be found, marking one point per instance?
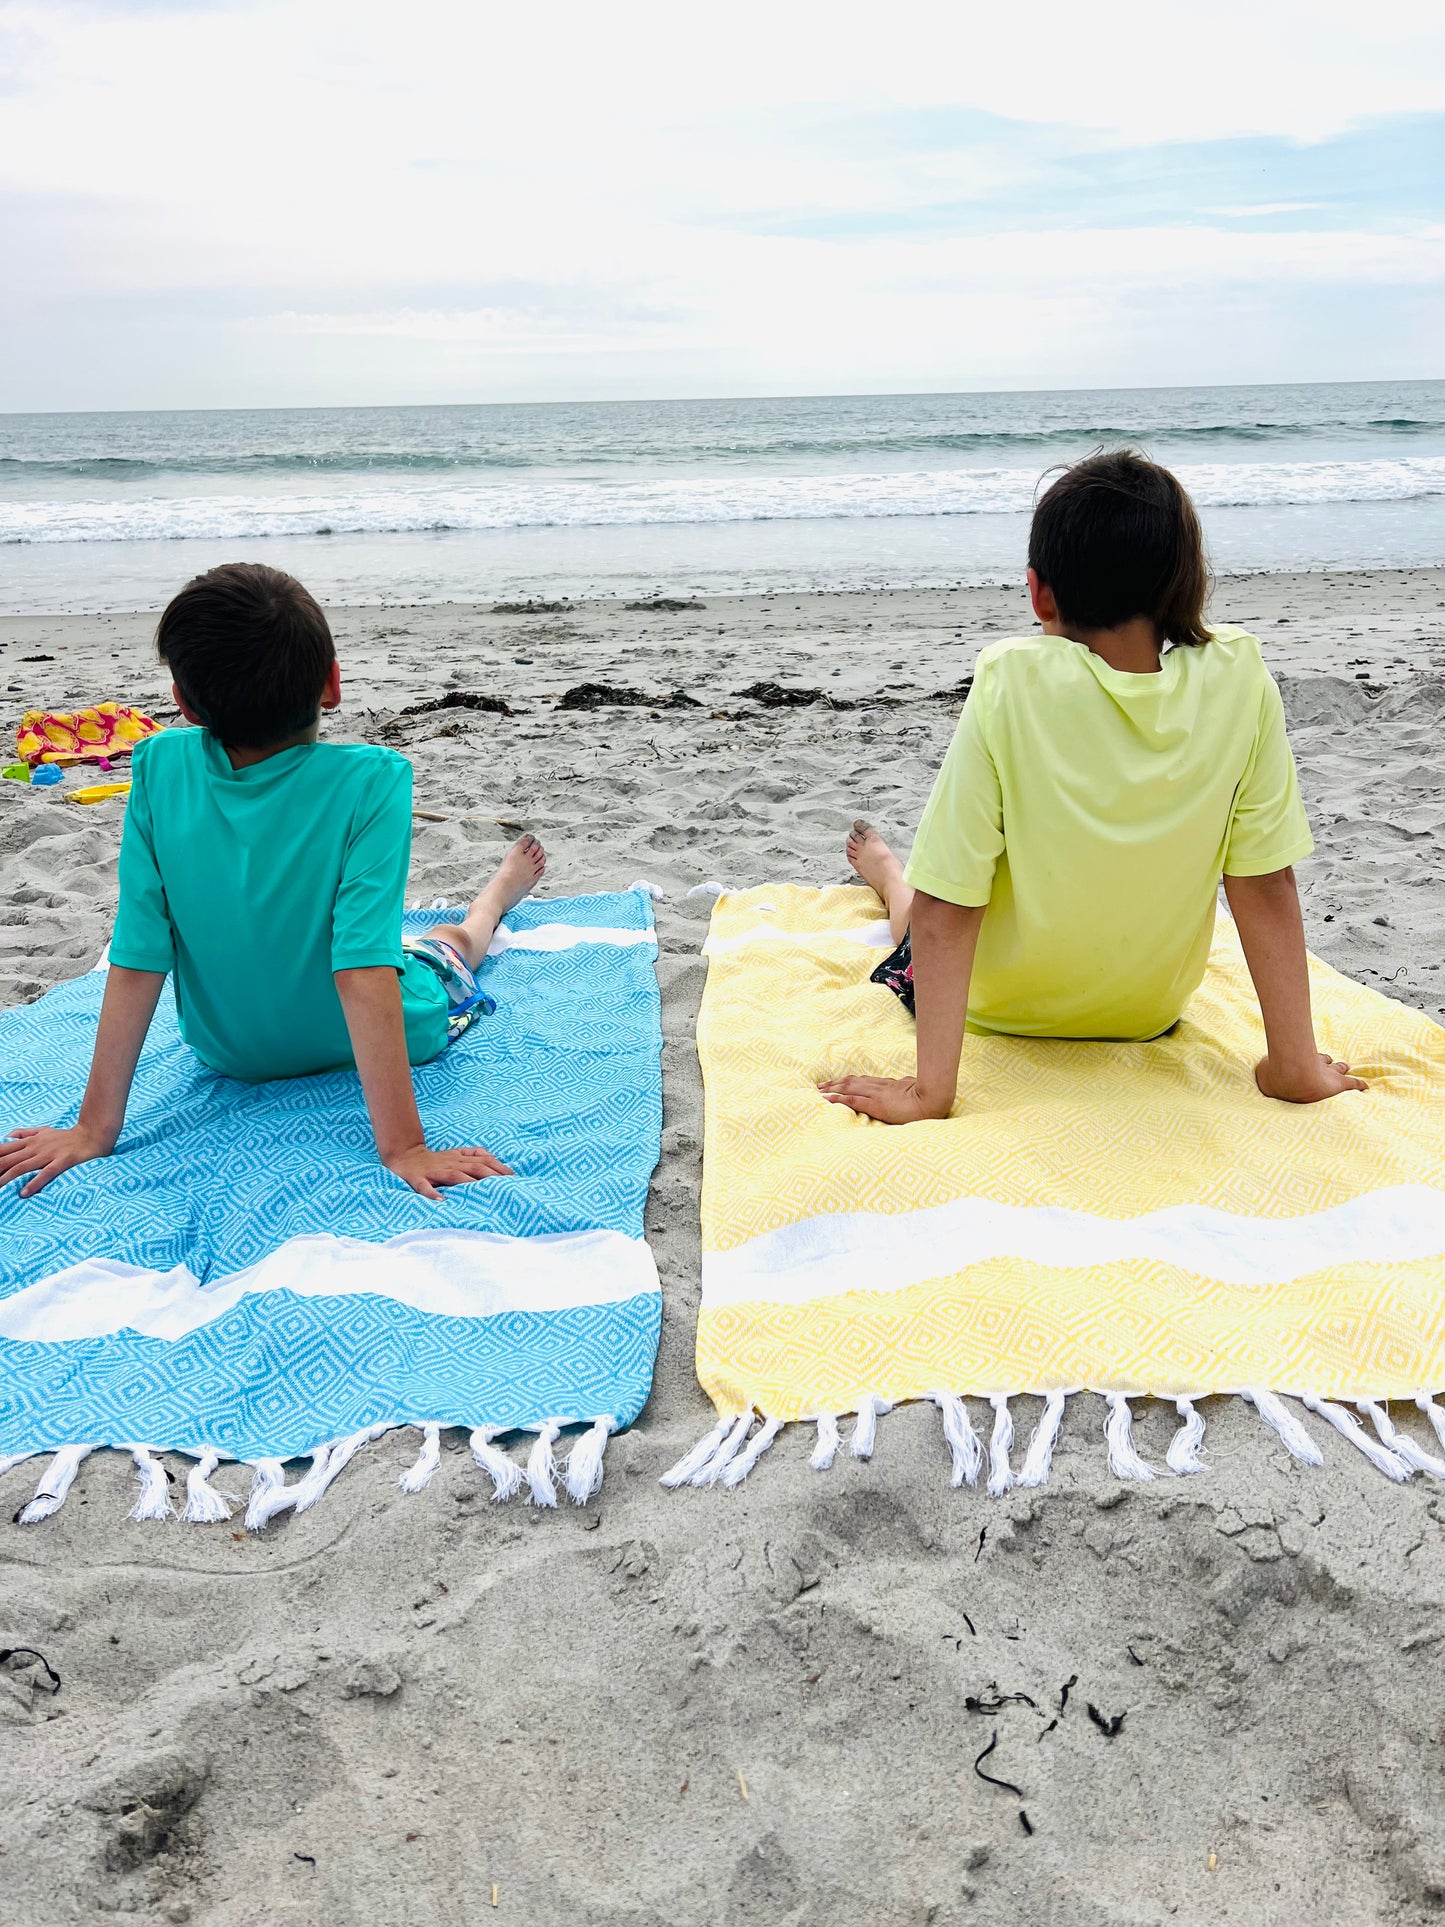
(892, 1100)
(1308, 1085)
(424, 1169)
(41, 1152)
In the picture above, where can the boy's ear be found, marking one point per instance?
(184, 707)
(331, 694)
(1042, 597)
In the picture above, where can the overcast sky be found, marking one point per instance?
(210, 203)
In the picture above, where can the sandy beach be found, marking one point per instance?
(701, 1709)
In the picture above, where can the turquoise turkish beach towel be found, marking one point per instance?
(243, 1280)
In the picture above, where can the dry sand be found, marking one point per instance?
(710, 1708)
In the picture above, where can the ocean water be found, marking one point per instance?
(114, 511)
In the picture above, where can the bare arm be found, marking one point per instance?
(41, 1151)
(371, 1000)
(1267, 914)
(945, 937)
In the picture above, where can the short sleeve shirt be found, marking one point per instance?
(253, 886)
(1094, 812)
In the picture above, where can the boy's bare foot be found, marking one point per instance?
(873, 859)
(519, 871)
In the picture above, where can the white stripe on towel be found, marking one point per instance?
(879, 1251)
(542, 936)
(565, 936)
(454, 1274)
(875, 936)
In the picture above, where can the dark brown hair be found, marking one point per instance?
(250, 651)
(1116, 536)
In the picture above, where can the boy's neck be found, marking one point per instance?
(1132, 648)
(246, 758)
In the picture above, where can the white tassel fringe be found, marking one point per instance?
(1349, 1427)
(1183, 1454)
(1040, 1455)
(740, 1467)
(336, 1461)
(542, 1464)
(504, 1472)
(286, 1497)
(1277, 1415)
(712, 1471)
(417, 1477)
(327, 1462)
(697, 1457)
(865, 1431)
(1124, 1461)
(963, 1445)
(826, 1449)
(648, 889)
(1432, 1412)
(1400, 1443)
(728, 1454)
(692, 1461)
(584, 1462)
(1000, 1472)
(12, 1459)
(204, 1506)
(268, 1494)
(153, 1501)
(51, 1491)
(712, 888)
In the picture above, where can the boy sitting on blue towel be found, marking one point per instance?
(266, 871)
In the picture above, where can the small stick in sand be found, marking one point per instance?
(743, 1785)
(429, 816)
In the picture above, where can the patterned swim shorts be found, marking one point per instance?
(465, 996)
(896, 972)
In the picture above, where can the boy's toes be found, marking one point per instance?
(520, 869)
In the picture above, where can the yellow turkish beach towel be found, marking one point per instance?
(1129, 1219)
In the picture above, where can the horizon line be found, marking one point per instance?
(653, 401)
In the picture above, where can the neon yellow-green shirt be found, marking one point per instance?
(255, 885)
(1094, 812)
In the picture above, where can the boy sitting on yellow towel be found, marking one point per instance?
(1104, 776)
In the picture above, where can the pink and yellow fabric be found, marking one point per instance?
(94, 735)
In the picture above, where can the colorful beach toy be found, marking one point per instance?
(97, 792)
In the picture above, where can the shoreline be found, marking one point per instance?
(621, 601)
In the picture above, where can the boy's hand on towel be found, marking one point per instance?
(424, 1169)
(892, 1100)
(41, 1152)
(1310, 1083)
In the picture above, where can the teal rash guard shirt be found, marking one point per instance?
(253, 886)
